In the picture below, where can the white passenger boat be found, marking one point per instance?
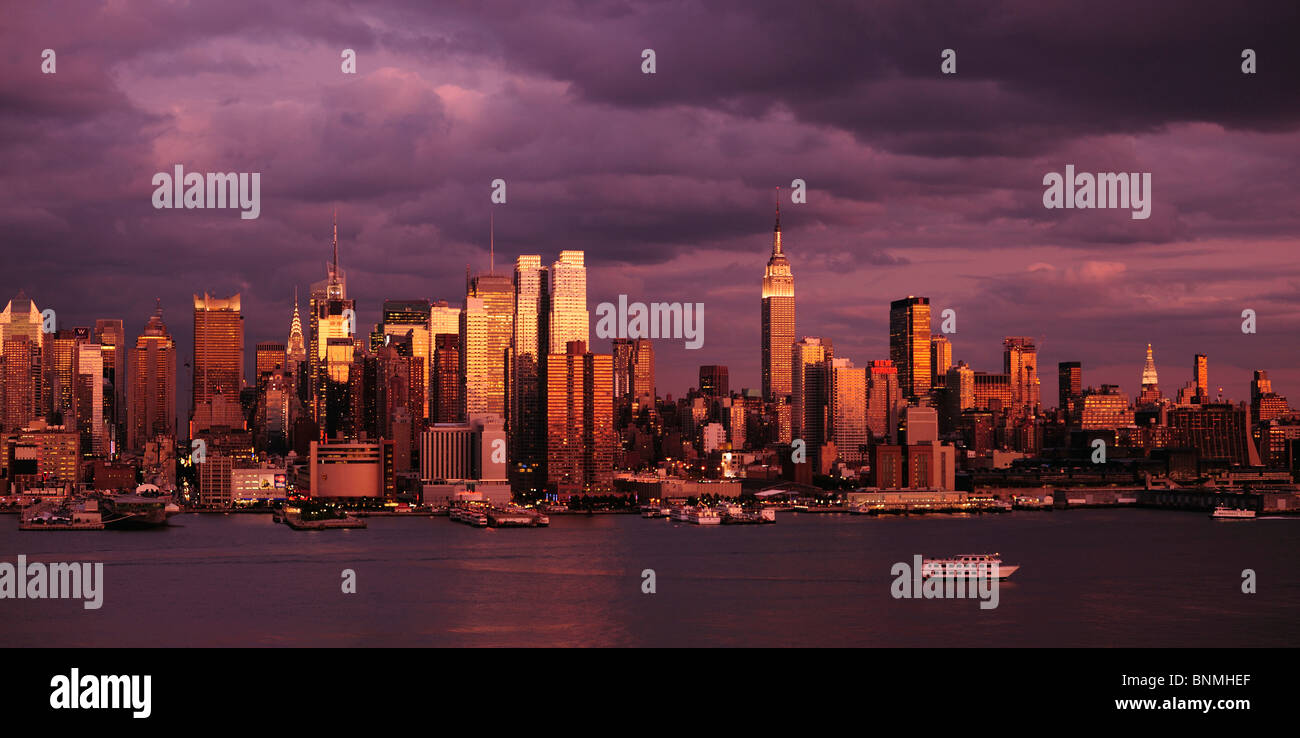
(967, 566)
(703, 516)
(1223, 512)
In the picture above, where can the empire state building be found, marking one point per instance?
(778, 319)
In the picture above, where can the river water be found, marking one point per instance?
(1087, 578)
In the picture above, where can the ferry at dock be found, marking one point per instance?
(469, 515)
(967, 566)
(703, 516)
(1223, 512)
(696, 515)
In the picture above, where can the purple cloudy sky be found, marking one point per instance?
(919, 183)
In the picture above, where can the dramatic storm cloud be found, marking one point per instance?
(919, 182)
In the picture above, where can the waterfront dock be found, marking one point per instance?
(51, 515)
(480, 515)
(923, 502)
(297, 521)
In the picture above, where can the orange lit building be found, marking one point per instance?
(580, 439)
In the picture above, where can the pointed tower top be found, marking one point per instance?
(492, 244)
(776, 231)
(336, 243)
(778, 208)
(1149, 376)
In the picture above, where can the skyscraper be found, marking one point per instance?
(622, 350)
(90, 399)
(1265, 404)
(62, 357)
(446, 384)
(21, 387)
(810, 388)
(1069, 375)
(1201, 377)
(443, 318)
(1020, 361)
(959, 395)
(487, 332)
(884, 399)
(333, 316)
(778, 318)
(527, 435)
(269, 358)
(643, 374)
(909, 345)
(1150, 394)
(412, 316)
(152, 394)
(343, 389)
(218, 349)
(110, 334)
(580, 439)
(940, 359)
(22, 345)
(714, 381)
(566, 302)
(848, 411)
(295, 349)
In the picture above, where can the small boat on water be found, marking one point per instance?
(1223, 512)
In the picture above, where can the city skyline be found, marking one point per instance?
(916, 183)
(334, 286)
(650, 324)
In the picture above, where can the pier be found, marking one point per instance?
(319, 519)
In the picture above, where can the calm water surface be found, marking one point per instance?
(1087, 578)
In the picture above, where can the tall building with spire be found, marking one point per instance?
(152, 387)
(332, 318)
(778, 318)
(487, 331)
(295, 364)
(1150, 394)
(295, 349)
